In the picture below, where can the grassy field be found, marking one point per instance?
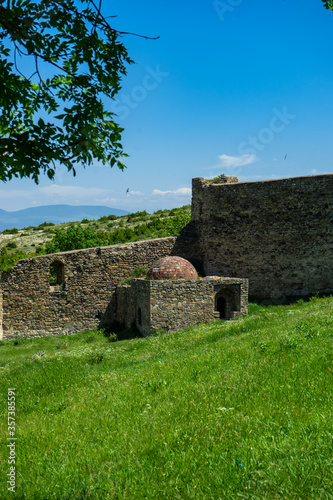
(227, 410)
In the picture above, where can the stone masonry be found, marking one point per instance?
(171, 304)
(84, 295)
(277, 233)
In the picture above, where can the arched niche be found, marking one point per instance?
(227, 301)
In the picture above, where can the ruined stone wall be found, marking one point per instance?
(278, 233)
(180, 303)
(174, 304)
(129, 299)
(87, 297)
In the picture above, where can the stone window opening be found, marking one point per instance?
(57, 276)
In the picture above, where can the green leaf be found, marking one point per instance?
(82, 70)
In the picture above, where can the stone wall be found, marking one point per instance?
(278, 233)
(129, 299)
(84, 296)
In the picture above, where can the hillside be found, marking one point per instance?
(57, 214)
(226, 410)
(107, 230)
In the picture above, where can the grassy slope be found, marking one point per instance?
(226, 410)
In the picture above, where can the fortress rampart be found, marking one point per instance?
(277, 233)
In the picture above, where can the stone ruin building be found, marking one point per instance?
(276, 234)
(173, 297)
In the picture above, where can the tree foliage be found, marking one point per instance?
(57, 114)
(328, 4)
(76, 237)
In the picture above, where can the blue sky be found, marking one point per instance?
(241, 87)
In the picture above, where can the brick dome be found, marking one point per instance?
(172, 268)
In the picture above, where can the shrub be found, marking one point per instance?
(11, 244)
(14, 230)
(7, 261)
(74, 238)
(137, 215)
(45, 224)
(139, 272)
(218, 179)
(105, 218)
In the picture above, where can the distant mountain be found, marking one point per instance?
(53, 213)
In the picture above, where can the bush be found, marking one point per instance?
(11, 244)
(137, 215)
(218, 179)
(139, 272)
(45, 224)
(14, 230)
(7, 261)
(74, 238)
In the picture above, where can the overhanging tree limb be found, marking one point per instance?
(328, 4)
(60, 118)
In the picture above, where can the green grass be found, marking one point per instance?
(227, 410)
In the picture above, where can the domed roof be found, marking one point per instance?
(172, 268)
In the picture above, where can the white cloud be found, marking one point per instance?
(71, 191)
(317, 172)
(109, 201)
(8, 195)
(135, 193)
(177, 192)
(250, 178)
(236, 161)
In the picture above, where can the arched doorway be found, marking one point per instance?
(227, 302)
(221, 307)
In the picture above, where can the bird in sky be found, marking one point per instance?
(285, 156)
